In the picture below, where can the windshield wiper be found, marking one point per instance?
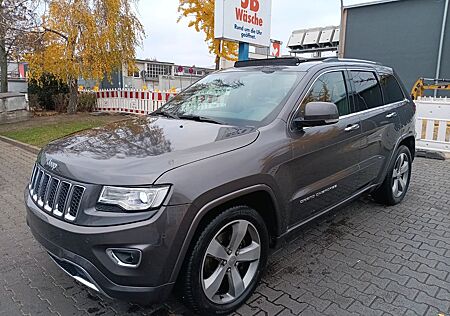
(165, 114)
(199, 118)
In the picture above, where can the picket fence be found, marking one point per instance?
(432, 117)
(131, 101)
(433, 124)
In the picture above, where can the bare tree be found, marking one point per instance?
(18, 22)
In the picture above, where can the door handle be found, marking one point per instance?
(391, 115)
(351, 127)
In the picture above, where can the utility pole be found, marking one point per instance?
(3, 54)
(441, 45)
(341, 33)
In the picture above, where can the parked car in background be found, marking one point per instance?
(197, 193)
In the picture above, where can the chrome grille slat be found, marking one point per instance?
(43, 189)
(61, 198)
(52, 190)
(75, 200)
(54, 195)
(33, 178)
(37, 184)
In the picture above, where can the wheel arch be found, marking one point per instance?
(409, 142)
(259, 197)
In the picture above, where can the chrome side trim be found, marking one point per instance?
(338, 69)
(374, 109)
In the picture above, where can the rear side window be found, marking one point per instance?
(391, 89)
(330, 87)
(367, 90)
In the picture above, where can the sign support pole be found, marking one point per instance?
(243, 51)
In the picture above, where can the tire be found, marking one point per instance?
(396, 184)
(219, 237)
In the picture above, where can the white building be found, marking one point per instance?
(162, 75)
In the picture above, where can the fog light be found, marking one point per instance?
(124, 257)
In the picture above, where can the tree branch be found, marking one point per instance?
(46, 29)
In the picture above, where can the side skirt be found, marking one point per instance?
(294, 229)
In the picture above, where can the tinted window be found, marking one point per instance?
(367, 90)
(391, 89)
(239, 98)
(330, 87)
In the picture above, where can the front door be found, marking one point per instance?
(325, 158)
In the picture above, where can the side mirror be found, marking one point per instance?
(317, 114)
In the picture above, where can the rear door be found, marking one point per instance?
(377, 102)
(325, 160)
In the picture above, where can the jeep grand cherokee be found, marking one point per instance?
(196, 193)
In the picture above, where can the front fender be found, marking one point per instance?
(196, 214)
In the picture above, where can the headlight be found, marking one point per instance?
(134, 199)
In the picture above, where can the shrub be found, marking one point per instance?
(46, 91)
(33, 101)
(86, 101)
(61, 102)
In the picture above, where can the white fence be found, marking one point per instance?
(433, 124)
(432, 117)
(131, 101)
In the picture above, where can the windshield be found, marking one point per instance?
(249, 98)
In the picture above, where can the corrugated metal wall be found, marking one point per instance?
(402, 34)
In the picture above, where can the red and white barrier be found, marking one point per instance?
(131, 101)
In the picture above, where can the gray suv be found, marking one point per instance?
(197, 193)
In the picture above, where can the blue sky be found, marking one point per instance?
(170, 41)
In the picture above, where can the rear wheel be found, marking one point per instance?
(226, 263)
(396, 183)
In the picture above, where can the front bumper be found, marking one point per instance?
(81, 252)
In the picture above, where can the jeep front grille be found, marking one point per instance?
(54, 195)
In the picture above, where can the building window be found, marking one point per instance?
(132, 73)
(156, 70)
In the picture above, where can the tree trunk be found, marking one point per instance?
(3, 67)
(73, 96)
(3, 56)
(218, 57)
(217, 62)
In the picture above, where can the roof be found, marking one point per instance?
(305, 64)
(369, 3)
(296, 61)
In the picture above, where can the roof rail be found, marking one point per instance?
(336, 59)
(282, 61)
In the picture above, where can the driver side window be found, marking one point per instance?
(330, 87)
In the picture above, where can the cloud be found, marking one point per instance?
(170, 41)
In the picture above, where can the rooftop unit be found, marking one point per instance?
(314, 40)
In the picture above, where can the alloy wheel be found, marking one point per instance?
(400, 175)
(231, 262)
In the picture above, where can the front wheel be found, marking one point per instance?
(396, 183)
(226, 262)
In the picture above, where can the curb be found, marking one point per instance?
(432, 154)
(30, 148)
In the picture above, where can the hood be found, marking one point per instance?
(137, 151)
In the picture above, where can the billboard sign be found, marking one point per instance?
(246, 21)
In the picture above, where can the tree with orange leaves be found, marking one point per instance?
(85, 38)
(202, 14)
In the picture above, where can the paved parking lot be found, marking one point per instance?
(364, 259)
